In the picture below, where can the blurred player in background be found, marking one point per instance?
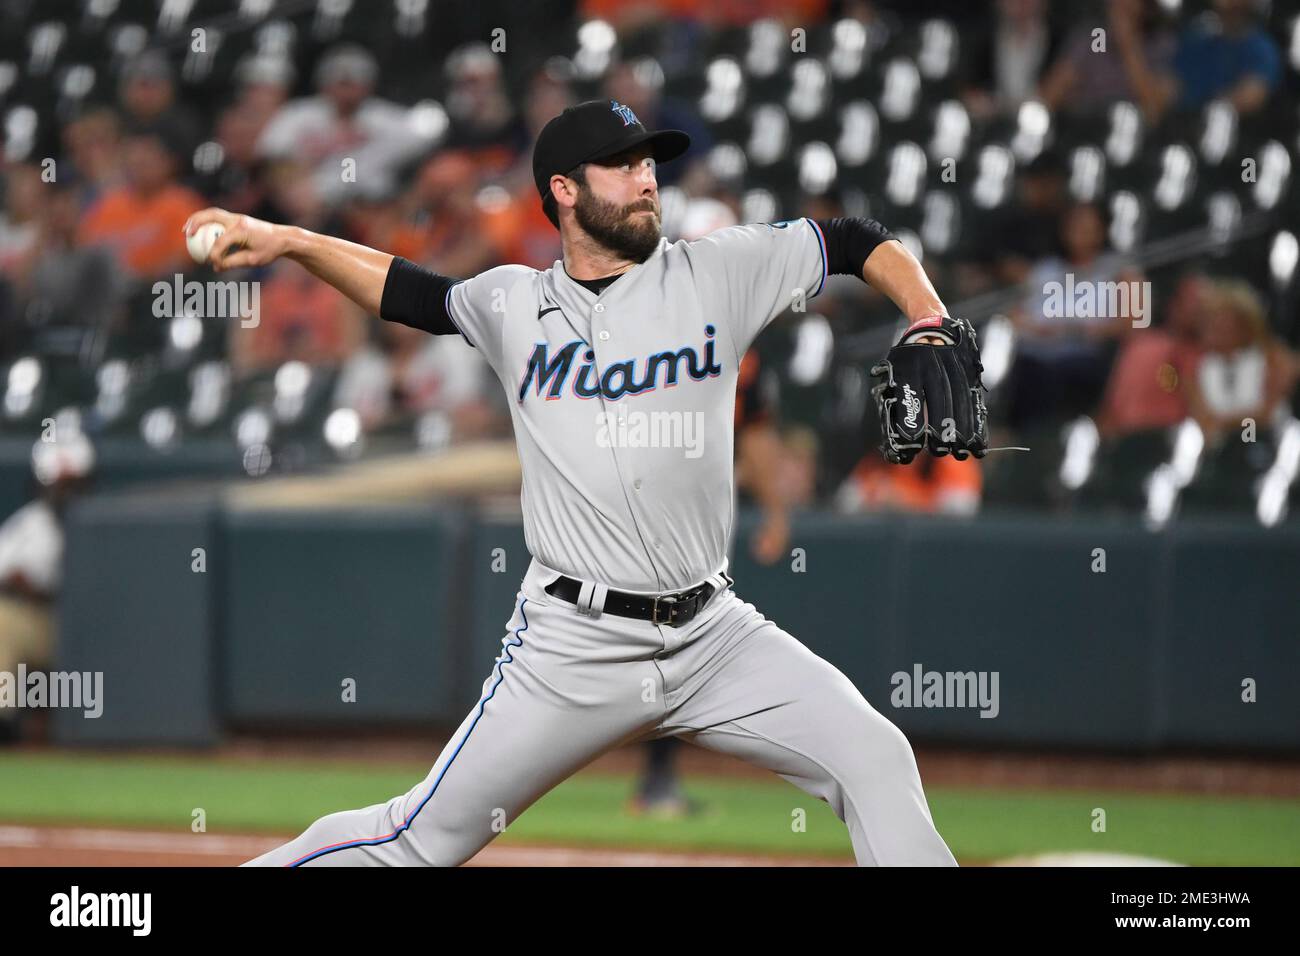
(31, 562)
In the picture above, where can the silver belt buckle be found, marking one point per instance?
(671, 601)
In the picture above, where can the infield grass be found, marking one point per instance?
(738, 815)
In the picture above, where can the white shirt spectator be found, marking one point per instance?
(442, 375)
(31, 544)
(380, 137)
(1235, 383)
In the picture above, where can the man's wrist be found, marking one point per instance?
(297, 242)
(928, 319)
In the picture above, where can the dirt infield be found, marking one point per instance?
(80, 846)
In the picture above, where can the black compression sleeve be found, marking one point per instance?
(849, 242)
(416, 297)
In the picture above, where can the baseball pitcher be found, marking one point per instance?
(620, 364)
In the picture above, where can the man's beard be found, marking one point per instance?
(627, 235)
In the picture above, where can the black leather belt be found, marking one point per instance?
(672, 610)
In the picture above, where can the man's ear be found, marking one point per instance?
(564, 191)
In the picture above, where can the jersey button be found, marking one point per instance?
(600, 306)
(603, 335)
(658, 544)
(637, 484)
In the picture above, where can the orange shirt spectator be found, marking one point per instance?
(752, 406)
(141, 221)
(300, 318)
(380, 225)
(520, 230)
(942, 485)
(143, 231)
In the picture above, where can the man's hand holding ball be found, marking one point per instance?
(226, 240)
(201, 241)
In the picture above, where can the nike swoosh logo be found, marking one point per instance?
(542, 312)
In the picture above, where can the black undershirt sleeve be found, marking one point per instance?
(849, 242)
(416, 297)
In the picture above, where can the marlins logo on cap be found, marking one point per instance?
(629, 118)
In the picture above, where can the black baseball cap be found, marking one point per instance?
(592, 131)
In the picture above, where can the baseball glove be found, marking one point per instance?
(930, 394)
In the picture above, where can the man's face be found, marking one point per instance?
(347, 94)
(619, 204)
(148, 164)
(147, 96)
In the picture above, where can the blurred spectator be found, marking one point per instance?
(63, 284)
(1003, 68)
(409, 372)
(518, 227)
(482, 117)
(300, 319)
(1062, 360)
(264, 83)
(93, 142)
(380, 222)
(1155, 366)
(758, 456)
(446, 192)
(933, 485)
(291, 193)
(1244, 371)
(234, 184)
(799, 473)
(345, 121)
(638, 85)
(1028, 228)
(1153, 371)
(513, 217)
(31, 559)
(147, 97)
(1227, 54)
(141, 221)
(1136, 63)
(703, 215)
(20, 218)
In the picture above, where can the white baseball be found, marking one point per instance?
(200, 243)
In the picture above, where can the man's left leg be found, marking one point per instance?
(747, 688)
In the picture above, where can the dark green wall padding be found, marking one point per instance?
(411, 603)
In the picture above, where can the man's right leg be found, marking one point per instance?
(546, 711)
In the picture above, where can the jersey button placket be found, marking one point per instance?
(603, 335)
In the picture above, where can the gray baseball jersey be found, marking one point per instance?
(600, 384)
(623, 408)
